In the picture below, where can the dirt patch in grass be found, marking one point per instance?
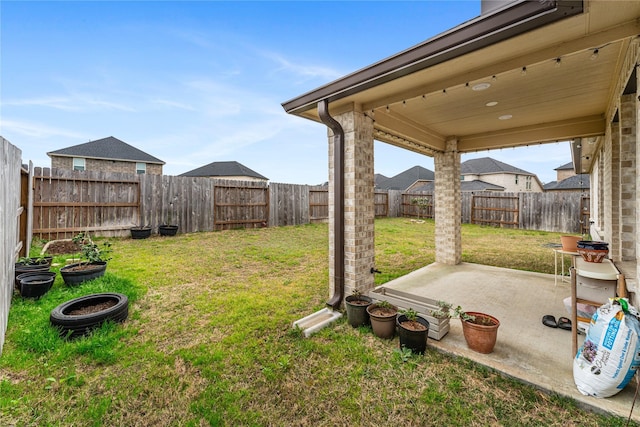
(171, 320)
(61, 247)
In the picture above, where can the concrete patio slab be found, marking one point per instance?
(526, 349)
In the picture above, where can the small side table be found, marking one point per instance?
(562, 253)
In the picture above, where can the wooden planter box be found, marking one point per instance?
(438, 328)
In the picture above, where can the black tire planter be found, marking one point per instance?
(73, 278)
(416, 341)
(140, 232)
(356, 306)
(168, 230)
(76, 325)
(24, 269)
(34, 285)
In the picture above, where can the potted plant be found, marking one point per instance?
(356, 305)
(168, 229)
(93, 261)
(140, 231)
(383, 319)
(480, 330)
(413, 331)
(30, 265)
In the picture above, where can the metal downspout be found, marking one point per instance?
(338, 202)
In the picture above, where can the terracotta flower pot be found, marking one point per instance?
(482, 333)
(593, 251)
(570, 243)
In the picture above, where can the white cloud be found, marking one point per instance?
(37, 130)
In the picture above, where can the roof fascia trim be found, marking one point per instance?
(481, 32)
(159, 162)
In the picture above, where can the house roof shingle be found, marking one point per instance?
(109, 148)
(487, 165)
(566, 166)
(403, 180)
(465, 186)
(222, 169)
(575, 182)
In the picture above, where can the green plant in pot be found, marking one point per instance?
(356, 306)
(383, 319)
(93, 262)
(480, 330)
(413, 331)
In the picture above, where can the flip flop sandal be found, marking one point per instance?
(549, 320)
(564, 323)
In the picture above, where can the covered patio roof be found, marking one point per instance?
(530, 72)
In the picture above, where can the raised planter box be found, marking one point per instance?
(438, 328)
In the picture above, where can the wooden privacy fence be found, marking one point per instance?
(500, 210)
(108, 204)
(66, 202)
(12, 223)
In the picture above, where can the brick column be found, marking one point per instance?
(359, 212)
(628, 177)
(448, 207)
(612, 191)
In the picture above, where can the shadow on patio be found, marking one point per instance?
(526, 349)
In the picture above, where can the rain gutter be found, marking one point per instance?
(478, 33)
(338, 203)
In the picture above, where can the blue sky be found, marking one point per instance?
(196, 82)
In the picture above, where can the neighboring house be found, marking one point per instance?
(227, 170)
(465, 186)
(572, 183)
(507, 177)
(565, 171)
(567, 180)
(106, 155)
(405, 180)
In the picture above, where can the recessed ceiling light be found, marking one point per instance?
(505, 117)
(491, 103)
(481, 86)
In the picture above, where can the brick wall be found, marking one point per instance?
(359, 212)
(104, 165)
(447, 206)
(628, 176)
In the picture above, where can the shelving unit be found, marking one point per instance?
(593, 284)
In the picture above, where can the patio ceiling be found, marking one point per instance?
(523, 81)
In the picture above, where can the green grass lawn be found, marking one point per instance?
(209, 341)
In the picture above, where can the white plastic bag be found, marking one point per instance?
(609, 357)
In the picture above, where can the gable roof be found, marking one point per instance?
(575, 182)
(222, 169)
(465, 186)
(566, 166)
(487, 165)
(403, 180)
(109, 148)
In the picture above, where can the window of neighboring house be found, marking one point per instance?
(516, 179)
(78, 164)
(141, 168)
(528, 183)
